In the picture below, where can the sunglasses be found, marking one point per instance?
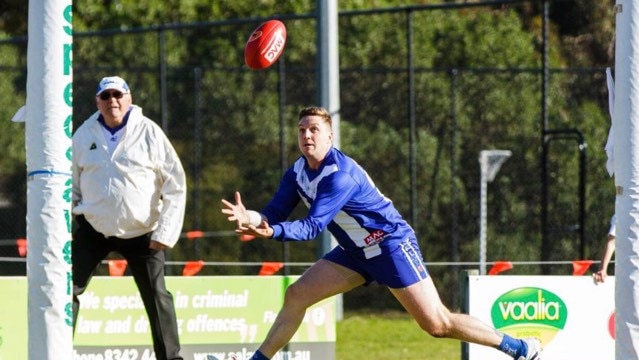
(107, 95)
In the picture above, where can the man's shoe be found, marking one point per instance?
(533, 349)
(211, 357)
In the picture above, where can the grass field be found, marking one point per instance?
(389, 335)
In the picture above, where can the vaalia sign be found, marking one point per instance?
(529, 312)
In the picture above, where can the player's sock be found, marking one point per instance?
(257, 355)
(513, 347)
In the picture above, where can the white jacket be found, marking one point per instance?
(141, 188)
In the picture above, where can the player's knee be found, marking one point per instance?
(440, 328)
(296, 297)
(294, 294)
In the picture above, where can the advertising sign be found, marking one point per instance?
(570, 315)
(13, 318)
(225, 316)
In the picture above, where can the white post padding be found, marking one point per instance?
(626, 170)
(48, 131)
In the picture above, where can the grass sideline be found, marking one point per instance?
(389, 335)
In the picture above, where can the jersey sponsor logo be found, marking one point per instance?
(375, 237)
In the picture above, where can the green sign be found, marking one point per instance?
(13, 318)
(530, 312)
(225, 316)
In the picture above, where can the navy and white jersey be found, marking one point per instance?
(342, 198)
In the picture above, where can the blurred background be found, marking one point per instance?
(425, 86)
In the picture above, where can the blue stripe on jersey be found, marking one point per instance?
(341, 197)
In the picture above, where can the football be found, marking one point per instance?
(265, 45)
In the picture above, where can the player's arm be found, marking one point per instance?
(284, 201)
(251, 222)
(333, 192)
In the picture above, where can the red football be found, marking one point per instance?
(265, 45)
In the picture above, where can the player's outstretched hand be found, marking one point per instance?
(236, 212)
(263, 230)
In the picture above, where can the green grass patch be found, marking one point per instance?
(389, 335)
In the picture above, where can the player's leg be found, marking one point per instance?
(422, 301)
(414, 289)
(320, 281)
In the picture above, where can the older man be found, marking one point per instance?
(129, 196)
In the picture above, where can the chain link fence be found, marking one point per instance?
(417, 129)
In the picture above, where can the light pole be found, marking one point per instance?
(490, 161)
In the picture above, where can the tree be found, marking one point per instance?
(477, 86)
